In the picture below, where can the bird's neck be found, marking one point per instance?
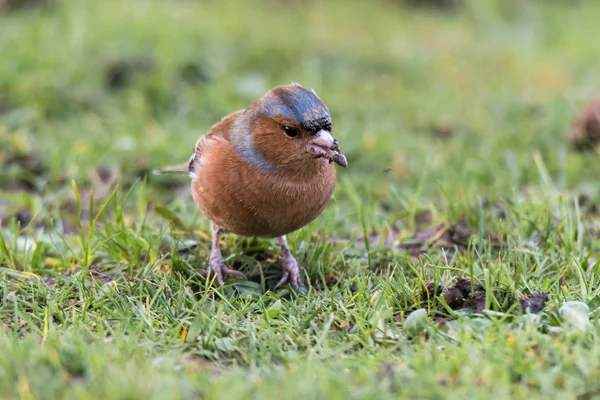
(241, 138)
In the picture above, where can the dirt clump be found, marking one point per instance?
(118, 74)
(431, 290)
(585, 128)
(535, 302)
(465, 294)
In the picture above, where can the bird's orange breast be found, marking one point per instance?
(247, 201)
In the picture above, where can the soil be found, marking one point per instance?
(585, 128)
(463, 294)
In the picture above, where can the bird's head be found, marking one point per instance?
(290, 128)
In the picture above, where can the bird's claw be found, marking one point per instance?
(218, 268)
(291, 273)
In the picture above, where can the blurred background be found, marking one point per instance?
(433, 101)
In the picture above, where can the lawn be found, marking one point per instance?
(458, 258)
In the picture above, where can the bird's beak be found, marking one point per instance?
(324, 145)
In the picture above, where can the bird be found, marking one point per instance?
(266, 171)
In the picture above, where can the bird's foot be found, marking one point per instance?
(291, 273)
(217, 264)
(217, 267)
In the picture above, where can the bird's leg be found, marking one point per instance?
(217, 264)
(289, 264)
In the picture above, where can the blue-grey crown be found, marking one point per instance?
(296, 103)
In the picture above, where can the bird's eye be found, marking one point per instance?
(291, 131)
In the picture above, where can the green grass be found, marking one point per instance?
(98, 258)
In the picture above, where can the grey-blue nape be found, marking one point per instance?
(241, 138)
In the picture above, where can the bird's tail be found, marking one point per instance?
(183, 168)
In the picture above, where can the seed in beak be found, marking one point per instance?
(336, 146)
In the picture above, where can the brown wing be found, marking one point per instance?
(220, 129)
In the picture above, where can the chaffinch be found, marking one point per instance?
(266, 171)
